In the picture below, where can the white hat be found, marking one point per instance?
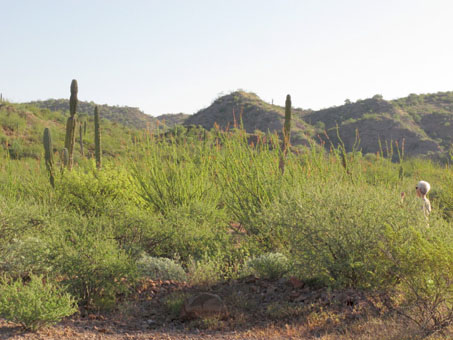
(423, 187)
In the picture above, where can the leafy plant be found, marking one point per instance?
(160, 268)
(270, 266)
(35, 304)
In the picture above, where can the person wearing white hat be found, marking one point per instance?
(422, 189)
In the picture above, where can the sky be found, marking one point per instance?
(171, 56)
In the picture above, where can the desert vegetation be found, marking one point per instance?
(208, 207)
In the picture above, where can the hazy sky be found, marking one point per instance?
(172, 56)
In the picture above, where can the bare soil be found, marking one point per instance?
(257, 309)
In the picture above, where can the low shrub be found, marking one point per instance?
(270, 266)
(23, 257)
(160, 268)
(205, 271)
(95, 268)
(35, 304)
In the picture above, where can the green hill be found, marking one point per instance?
(128, 116)
(22, 125)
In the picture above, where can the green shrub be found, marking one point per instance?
(35, 304)
(423, 265)
(270, 266)
(191, 232)
(160, 268)
(23, 257)
(89, 191)
(336, 231)
(95, 269)
(206, 271)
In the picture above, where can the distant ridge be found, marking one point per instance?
(424, 122)
(128, 116)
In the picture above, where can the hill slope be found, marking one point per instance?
(22, 126)
(254, 113)
(128, 116)
(376, 121)
(423, 121)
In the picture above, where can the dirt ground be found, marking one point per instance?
(257, 309)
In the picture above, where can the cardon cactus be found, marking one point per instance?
(71, 124)
(81, 139)
(287, 127)
(48, 155)
(65, 157)
(286, 133)
(97, 138)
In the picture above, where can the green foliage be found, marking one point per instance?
(171, 177)
(270, 266)
(22, 257)
(174, 303)
(35, 304)
(336, 231)
(94, 268)
(90, 191)
(160, 268)
(206, 271)
(192, 232)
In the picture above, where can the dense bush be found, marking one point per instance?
(23, 257)
(89, 191)
(95, 269)
(337, 231)
(35, 304)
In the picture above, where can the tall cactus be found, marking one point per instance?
(97, 138)
(48, 155)
(71, 124)
(65, 158)
(287, 127)
(286, 134)
(81, 138)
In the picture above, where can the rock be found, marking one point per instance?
(295, 282)
(203, 305)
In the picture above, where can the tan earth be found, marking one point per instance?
(257, 309)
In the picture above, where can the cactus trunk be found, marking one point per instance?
(97, 138)
(71, 124)
(286, 134)
(48, 155)
(287, 127)
(81, 139)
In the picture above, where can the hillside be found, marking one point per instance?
(171, 119)
(422, 121)
(376, 121)
(128, 116)
(22, 125)
(254, 113)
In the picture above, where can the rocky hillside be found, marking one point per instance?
(374, 123)
(254, 114)
(423, 121)
(419, 122)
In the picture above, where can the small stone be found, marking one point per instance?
(202, 305)
(296, 283)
